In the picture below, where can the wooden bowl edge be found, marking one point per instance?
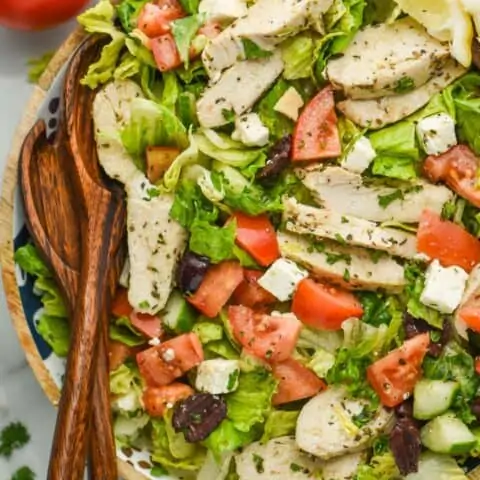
(7, 262)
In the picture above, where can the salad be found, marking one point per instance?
(300, 298)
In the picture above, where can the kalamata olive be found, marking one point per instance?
(406, 445)
(199, 415)
(476, 52)
(415, 326)
(405, 409)
(278, 160)
(191, 271)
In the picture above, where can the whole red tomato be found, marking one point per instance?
(38, 14)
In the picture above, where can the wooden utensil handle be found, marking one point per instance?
(68, 455)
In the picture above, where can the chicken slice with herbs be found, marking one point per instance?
(323, 223)
(347, 193)
(377, 113)
(344, 467)
(326, 428)
(350, 267)
(403, 57)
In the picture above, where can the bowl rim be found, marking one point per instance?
(7, 201)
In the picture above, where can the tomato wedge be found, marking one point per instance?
(158, 399)
(217, 287)
(165, 52)
(155, 18)
(323, 306)
(162, 364)
(316, 133)
(447, 242)
(257, 236)
(394, 376)
(296, 382)
(270, 337)
(118, 352)
(250, 294)
(458, 169)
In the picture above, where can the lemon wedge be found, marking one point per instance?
(446, 20)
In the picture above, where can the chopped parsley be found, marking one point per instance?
(253, 51)
(228, 115)
(385, 200)
(232, 380)
(333, 258)
(258, 462)
(405, 85)
(144, 304)
(295, 467)
(13, 436)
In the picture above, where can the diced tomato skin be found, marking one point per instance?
(118, 352)
(120, 305)
(155, 19)
(447, 242)
(250, 293)
(257, 236)
(148, 325)
(217, 287)
(458, 169)
(271, 338)
(162, 364)
(158, 399)
(296, 382)
(165, 52)
(394, 377)
(316, 134)
(323, 306)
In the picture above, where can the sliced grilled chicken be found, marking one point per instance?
(346, 193)
(325, 426)
(324, 223)
(350, 267)
(278, 459)
(377, 113)
(237, 90)
(344, 467)
(405, 57)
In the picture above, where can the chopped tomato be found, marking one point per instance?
(155, 19)
(162, 364)
(165, 52)
(158, 399)
(118, 352)
(148, 325)
(217, 287)
(257, 236)
(458, 169)
(121, 306)
(470, 312)
(447, 242)
(394, 376)
(316, 133)
(211, 30)
(323, 306)
(270, 337)
(250, 294)
(296, 382)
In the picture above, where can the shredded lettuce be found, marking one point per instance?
(381, 466)
(280, 423)
(298, 55)
(184, 31)
(52, 324)
(380, 11)
(122, 330)
(212, 241)
(190, 6)
(128, 11)
(375, 308)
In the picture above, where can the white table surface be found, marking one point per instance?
(21, 398)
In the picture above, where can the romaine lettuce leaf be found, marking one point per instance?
(124, 379)
(128, 11)
(208, 331)
(298, 54)
(56, 332)
(280, 423)
(190, 6)
(30, 261)
(122, 330)
(380, 11)
(128, 67)
(184, 31)
(380, 467)
(375, 308)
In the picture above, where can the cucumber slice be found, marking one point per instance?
(179, 316)
(447, 434)
(432, 398)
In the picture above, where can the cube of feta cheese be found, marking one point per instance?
(289, 104)
(218, 376)
(223, 10)
(250, 130)
(444, 287)
(436, 133)
(282, 279)
(360, 156)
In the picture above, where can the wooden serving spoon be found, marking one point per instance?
(53, 224)
(101, 214)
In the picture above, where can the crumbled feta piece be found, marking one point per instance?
(223, 10)
(154, 342)
(127, 403)
(282, 279)
(218, 376)
(360, 156)
(444, 287)
(169, 355)
(437, 133)
(290, 104)
(250, 130)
